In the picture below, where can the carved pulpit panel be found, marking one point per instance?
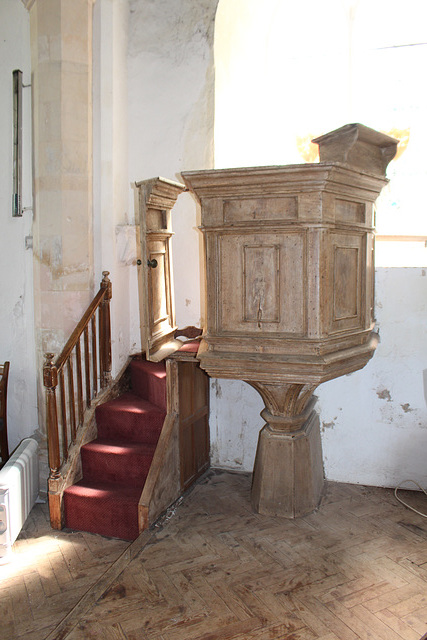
(346, 277)
(156, 197)
(254, 296)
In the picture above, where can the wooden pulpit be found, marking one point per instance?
(290, 294)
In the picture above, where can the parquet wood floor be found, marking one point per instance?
(49, 574)
(214, 570)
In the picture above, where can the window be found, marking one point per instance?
(288, 73)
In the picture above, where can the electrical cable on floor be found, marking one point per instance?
(424, 515)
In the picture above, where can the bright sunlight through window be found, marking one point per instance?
(288, 72)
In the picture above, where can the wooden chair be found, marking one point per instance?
(4, 448)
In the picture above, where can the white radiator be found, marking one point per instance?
(19, 488)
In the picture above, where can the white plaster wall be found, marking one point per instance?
(171, 93)
(234, 423)
(114, 237)
(153, 115)
(374, 421)
(16, 269)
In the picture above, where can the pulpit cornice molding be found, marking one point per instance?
(290, 179)
(160, 193)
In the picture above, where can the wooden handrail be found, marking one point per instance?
(80, 373)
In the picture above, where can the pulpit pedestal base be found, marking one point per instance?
(288, 473)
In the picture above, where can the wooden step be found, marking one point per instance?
(116, 461)
(129, 417)
(109, 509)
(148, 380)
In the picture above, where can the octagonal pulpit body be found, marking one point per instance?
(290, 294)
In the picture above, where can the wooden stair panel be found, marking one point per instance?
(116, 461)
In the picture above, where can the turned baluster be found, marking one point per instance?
(50, 381)
(105, 331)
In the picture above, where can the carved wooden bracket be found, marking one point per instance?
(189, 332)
(288, 406)
(358, 146)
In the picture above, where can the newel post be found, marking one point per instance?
(50, 381)
(105, 330)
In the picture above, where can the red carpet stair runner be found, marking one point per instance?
(116, 464)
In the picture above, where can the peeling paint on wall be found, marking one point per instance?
(406, 407)
(216, 388)
(126, 244)
(18, 310)
(384, 394)
(328, 425)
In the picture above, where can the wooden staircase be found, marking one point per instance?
(116, 464)
(122, 452)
